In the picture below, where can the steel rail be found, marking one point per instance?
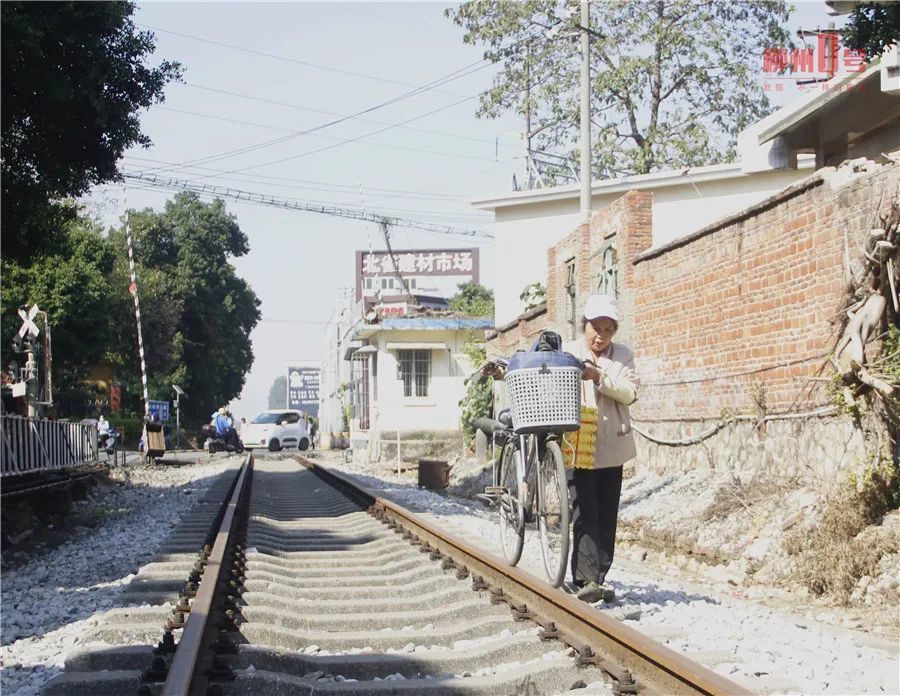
(656, 667)
(186, 661)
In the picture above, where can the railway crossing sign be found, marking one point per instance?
(28, 325)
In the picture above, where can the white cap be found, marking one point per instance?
(601, 306)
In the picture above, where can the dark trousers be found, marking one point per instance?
(596, 506)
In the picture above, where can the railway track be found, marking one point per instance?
(306, 584)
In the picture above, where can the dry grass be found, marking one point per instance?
(741, 497)
(831, 557)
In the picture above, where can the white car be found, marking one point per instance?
(277, 428)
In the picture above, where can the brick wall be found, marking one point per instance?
(740, 311)
(627, 225)
(749, 302)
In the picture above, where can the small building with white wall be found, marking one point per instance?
(407, 378)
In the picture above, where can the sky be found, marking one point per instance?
(258, 72)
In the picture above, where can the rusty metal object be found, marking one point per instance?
(196, 636)
(598, 638)
(434, 474)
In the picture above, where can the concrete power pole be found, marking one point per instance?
(585, 111)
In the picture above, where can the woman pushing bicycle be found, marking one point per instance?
(599, 485)
(597, 474)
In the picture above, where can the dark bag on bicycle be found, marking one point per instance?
(544, 387)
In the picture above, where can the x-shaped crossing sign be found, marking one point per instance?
(28, 325)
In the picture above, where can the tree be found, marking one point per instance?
(872, 27)
(197, 325)
(278, 393)
(672, 81)
(73, 286)
(473, 299)
(73, 81)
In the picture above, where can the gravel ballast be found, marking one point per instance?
(52, 597)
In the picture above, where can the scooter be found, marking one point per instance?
(218, 443)
(107, 441)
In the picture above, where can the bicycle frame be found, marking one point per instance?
(528, 454)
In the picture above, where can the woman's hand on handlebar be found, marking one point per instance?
(591, 372)
(492, 369)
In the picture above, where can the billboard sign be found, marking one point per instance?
(391, 276)
(160, 409)
(303, 389)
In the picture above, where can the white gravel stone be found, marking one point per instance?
(51, 598)
(807, 656)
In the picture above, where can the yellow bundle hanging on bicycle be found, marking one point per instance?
(578, 447)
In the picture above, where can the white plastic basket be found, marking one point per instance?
(545, 399)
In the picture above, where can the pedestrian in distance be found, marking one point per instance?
(610, 368)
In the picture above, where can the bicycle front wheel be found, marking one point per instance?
(512, 519)
(553, 513)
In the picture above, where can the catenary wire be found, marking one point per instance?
(303, 206)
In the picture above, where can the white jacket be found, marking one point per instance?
(616, 391)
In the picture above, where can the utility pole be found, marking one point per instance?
(527, 173)
(585, 111)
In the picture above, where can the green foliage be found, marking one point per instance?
(672, 81)
(473, 300)
(73, 83)
(880, 487)
(72, 285)
(196, 313)
(888, 363)
(346, 408)
(479, 397)
(534, 295)
(872, 27)
(278, 393)
(474, 349)
(476, 403)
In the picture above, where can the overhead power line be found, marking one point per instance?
(332, 137)
(333, 211)
(324, 148)
(300, 107)
(455, 75)
(296, 61)
(312, 185)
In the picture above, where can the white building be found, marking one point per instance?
(394, 368)
(407, 379)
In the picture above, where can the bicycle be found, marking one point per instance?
(529, 477)
(524, 491)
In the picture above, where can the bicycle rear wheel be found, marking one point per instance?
(512, 520)
(553, 513)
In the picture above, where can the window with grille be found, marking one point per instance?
(609, 276)
(414, 367)
(570, 299)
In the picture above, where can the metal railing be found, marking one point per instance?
(31, 445)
